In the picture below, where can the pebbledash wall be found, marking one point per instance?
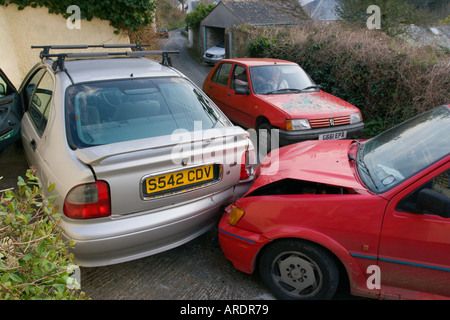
(20, 29)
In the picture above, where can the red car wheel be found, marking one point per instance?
(297, 270)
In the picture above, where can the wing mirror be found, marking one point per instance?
(242, 91)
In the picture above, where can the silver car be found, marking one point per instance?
(214, 54)
(141, 159)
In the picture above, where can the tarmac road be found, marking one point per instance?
(194, 271)
(12, 165)
(183, 62)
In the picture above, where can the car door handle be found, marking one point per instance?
(33, 145)
(229, 94)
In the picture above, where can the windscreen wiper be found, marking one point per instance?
(284, 90)
(215, 117)
(362, 165)
(315, 86)
(295, 90)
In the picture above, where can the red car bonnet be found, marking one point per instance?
(315, 161)
(305, 104)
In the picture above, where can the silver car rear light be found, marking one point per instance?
(88, 201)
(246, 166)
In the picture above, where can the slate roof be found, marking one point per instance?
(266, 12)
(321, 9)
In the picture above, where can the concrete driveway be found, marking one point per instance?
(194, 271)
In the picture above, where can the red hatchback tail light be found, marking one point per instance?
(88, 201)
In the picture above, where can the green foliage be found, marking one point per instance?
(396, 15)
(445, 21)
(122, 14)
(169, 16)
(258, 47)
(195, 17)
(34, 260)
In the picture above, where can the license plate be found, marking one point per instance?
(180, 181)
(333, 135)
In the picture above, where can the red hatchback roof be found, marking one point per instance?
(258, 61)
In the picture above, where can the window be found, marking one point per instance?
(30, 86)
(266, 79)
(5, 87)
(441, 184)
(115, 111)
(418, 143)
(432, 197)
(239, 79)
(222, 73)
(40, 102)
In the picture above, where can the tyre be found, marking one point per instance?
(297, 270)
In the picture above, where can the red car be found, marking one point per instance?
(376, 211)
(276, 94)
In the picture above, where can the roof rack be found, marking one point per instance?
(60, 57)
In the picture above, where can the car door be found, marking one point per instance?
(414, 249)
(37, 96)
(217, 88)
(239, 97)
(10, 112)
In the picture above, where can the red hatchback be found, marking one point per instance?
(377, 211)
(275, 94)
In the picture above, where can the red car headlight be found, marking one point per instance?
(235, 215)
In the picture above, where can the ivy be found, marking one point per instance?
(195, 17)
(121, 14)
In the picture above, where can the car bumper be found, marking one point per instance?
(240, 246)
(211, 61)
(112, 241)
(289, 137)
